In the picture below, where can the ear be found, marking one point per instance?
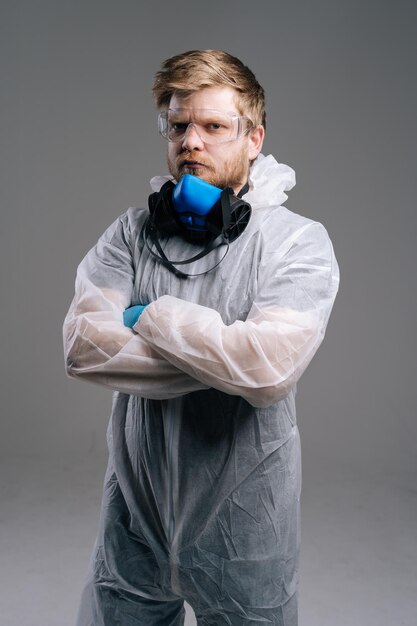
(256, 139)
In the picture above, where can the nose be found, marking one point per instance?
(192, 140)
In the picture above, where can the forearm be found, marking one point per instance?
(259, 359)
(100, 349)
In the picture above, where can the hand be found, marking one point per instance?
(132, 314)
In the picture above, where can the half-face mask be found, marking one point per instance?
(198, 212)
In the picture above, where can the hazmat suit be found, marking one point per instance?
(201, 494)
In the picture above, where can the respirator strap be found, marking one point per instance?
(148, 230)
(161, 202)
(225, 202)
(226, 208)
(244, 190)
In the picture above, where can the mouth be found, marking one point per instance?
(192, 165)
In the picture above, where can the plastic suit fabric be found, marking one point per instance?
(201, 494)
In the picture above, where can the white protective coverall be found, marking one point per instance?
(201, 494)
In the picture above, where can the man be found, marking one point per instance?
(202, 334)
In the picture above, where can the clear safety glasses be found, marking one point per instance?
(213, 127)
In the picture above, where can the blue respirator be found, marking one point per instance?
(193, 199)
(198, 212)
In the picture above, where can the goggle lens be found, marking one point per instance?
(212, 126)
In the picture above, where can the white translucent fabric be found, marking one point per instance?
(202, 490)
(101, 349)
(259, 359)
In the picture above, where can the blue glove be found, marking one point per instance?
(132, 314)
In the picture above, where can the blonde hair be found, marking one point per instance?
(191, 71)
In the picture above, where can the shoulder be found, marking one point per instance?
(279, 226)
(125, 225)
(290, 239)
(134, 218)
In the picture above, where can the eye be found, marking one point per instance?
(178, 127)
(215, 127)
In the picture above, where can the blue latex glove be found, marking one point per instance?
(132, 314)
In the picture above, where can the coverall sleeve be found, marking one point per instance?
(97, 346)
(262, 357)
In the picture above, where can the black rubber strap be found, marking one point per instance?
(149, 232)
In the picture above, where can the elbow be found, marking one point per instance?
(77, 352)
(286, 379)
(70, 367)
(76, 371)
(263, 397)
(73, 356)
(68, 337)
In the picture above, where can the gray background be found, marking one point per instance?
(78, 146)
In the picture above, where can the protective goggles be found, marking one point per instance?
(213, 127)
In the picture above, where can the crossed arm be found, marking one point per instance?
(100, 349)
(177, 347)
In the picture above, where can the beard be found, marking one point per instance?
(234, 173)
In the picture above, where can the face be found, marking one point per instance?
(223, 165)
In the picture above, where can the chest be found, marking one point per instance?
(230, 288)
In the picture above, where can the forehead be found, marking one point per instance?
(220, 98)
